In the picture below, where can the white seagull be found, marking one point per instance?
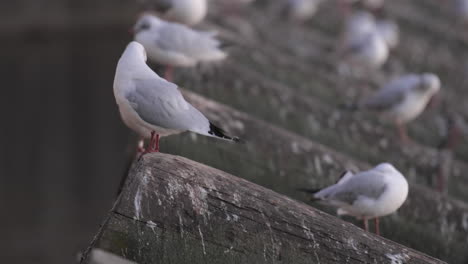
(188, 12)
(403, 98)
(389, 31)
(302, 10)
(152, 106)
(461, 9)
(363, 46)
(174, 44)
(369, 194)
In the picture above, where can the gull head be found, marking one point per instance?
(134, 51)
(430, 83)
(385, 167)
(146, 22)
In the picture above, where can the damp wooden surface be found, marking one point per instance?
(174, 210)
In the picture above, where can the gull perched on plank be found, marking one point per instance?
(363, 46)
(389, 31)
(301, 10)
(369, 194)
(152, 106)
(403, 99)
(174, 44)
(188, 12)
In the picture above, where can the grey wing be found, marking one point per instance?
(364, 184)
(160, 103)
(354, 48)
(384, 100)
(185, 40)
(391, 94)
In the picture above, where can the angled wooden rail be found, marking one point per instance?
(174, 210)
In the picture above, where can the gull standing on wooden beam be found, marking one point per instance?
(363, 47)
(403, 99)
(368, 194)
(188, 12)
(174, 44)
(301, 10)
(152, 106)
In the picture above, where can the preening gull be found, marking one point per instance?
(369, 194)
(174, 44)
(188, 12)
(363, 45)
(301, 10)
(403, 99)
(152, 106)
(389, 31)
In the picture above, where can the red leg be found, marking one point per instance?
(155, 146)
(366, 224)
(168, 73)
(377, 226)
(402, 133)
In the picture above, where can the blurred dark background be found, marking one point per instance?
(63, 145)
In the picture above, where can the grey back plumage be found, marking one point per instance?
(160, 103)
(366, 184)
(391, 94)
(179, 38)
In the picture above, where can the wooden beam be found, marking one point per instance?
(174, 210)
(282, 161)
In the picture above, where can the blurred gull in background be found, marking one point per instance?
(368, 194)
(461, 9)
(365, 54)
(173, 44)
(301, 10)
(366, 42)
(403, 99)
(152, 106)
(389, 31)
(189, 12)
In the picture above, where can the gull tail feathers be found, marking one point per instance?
(219, 133)
(311, 191)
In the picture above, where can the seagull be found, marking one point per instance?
(302, 10)
(368, 53)
(461, 9)
(389, 31)
(369, 194)
(403, 98)
(174, 44)
(152, 106)
(363, 46)
(188, 12)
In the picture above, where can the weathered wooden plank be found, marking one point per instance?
(174, 210)
(355, 134)
(282, 161)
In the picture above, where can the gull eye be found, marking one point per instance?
(144, 26)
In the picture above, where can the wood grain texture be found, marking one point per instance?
(429, 222)
(174, 210)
